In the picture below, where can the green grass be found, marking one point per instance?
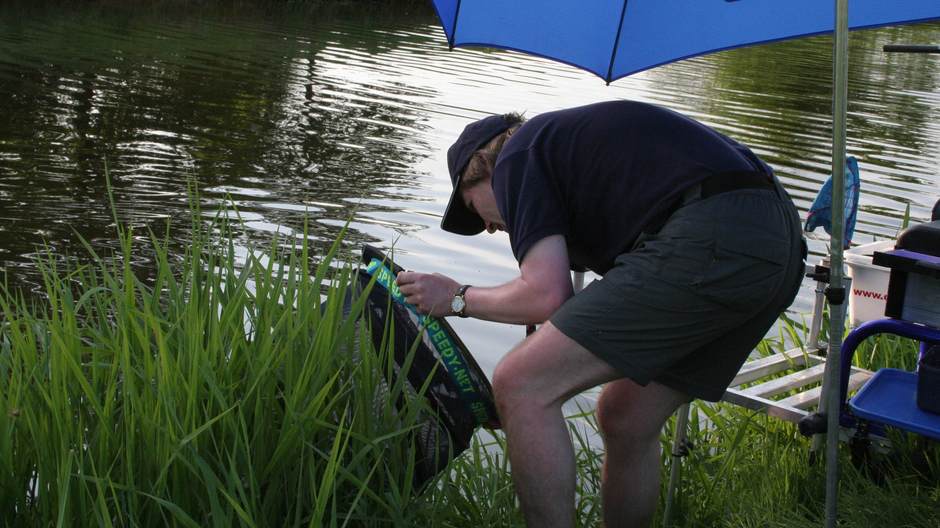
(218, 392)
(749, 469)
(209, 395)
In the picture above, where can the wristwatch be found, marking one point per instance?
(458, 304)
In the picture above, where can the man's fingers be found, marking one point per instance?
(406, 282)
(407, 286)
(419, 289)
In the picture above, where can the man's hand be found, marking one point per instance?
(430, 293)
(543, 285)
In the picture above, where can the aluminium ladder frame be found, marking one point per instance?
(799, 374)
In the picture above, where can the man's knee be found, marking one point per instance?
(545, 370)
(618, 422)
(514, 384)
(530, 376)
(505, 382)
(627, 414)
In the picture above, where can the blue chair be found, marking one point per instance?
(890, 397)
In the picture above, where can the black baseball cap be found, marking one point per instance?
(457, 218)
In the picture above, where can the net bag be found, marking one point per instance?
(428, 353)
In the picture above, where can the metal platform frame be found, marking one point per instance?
(797, 373)
(788, 385)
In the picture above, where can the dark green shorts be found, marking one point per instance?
(688, 304)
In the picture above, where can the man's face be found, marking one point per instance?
(479, 198)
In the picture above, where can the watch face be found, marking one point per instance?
(457, 304)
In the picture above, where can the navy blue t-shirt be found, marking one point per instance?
(598, 174)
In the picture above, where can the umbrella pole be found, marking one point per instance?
(836, 285)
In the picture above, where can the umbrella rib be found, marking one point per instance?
(453, 31)
(613, 52)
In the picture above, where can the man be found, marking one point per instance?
(699, 248)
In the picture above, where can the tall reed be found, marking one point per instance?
(211, 394)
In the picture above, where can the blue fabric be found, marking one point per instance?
(820, 213)
(614, 38)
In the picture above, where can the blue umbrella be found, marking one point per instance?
(614, 38)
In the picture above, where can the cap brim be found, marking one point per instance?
(460, 220)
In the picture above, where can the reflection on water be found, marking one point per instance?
(345, 117)
(242, 107)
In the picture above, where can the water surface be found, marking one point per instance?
(344, 115)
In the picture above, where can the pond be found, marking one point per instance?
(345, 114)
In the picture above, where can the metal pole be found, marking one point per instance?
(837, 312)
(679, 450)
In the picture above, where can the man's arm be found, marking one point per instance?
(543, 285)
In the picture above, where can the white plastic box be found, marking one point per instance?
(869, 282)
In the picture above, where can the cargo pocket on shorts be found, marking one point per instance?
(691, 250)
(745, 272)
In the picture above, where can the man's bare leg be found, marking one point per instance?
(631, 418)
(530, 385)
